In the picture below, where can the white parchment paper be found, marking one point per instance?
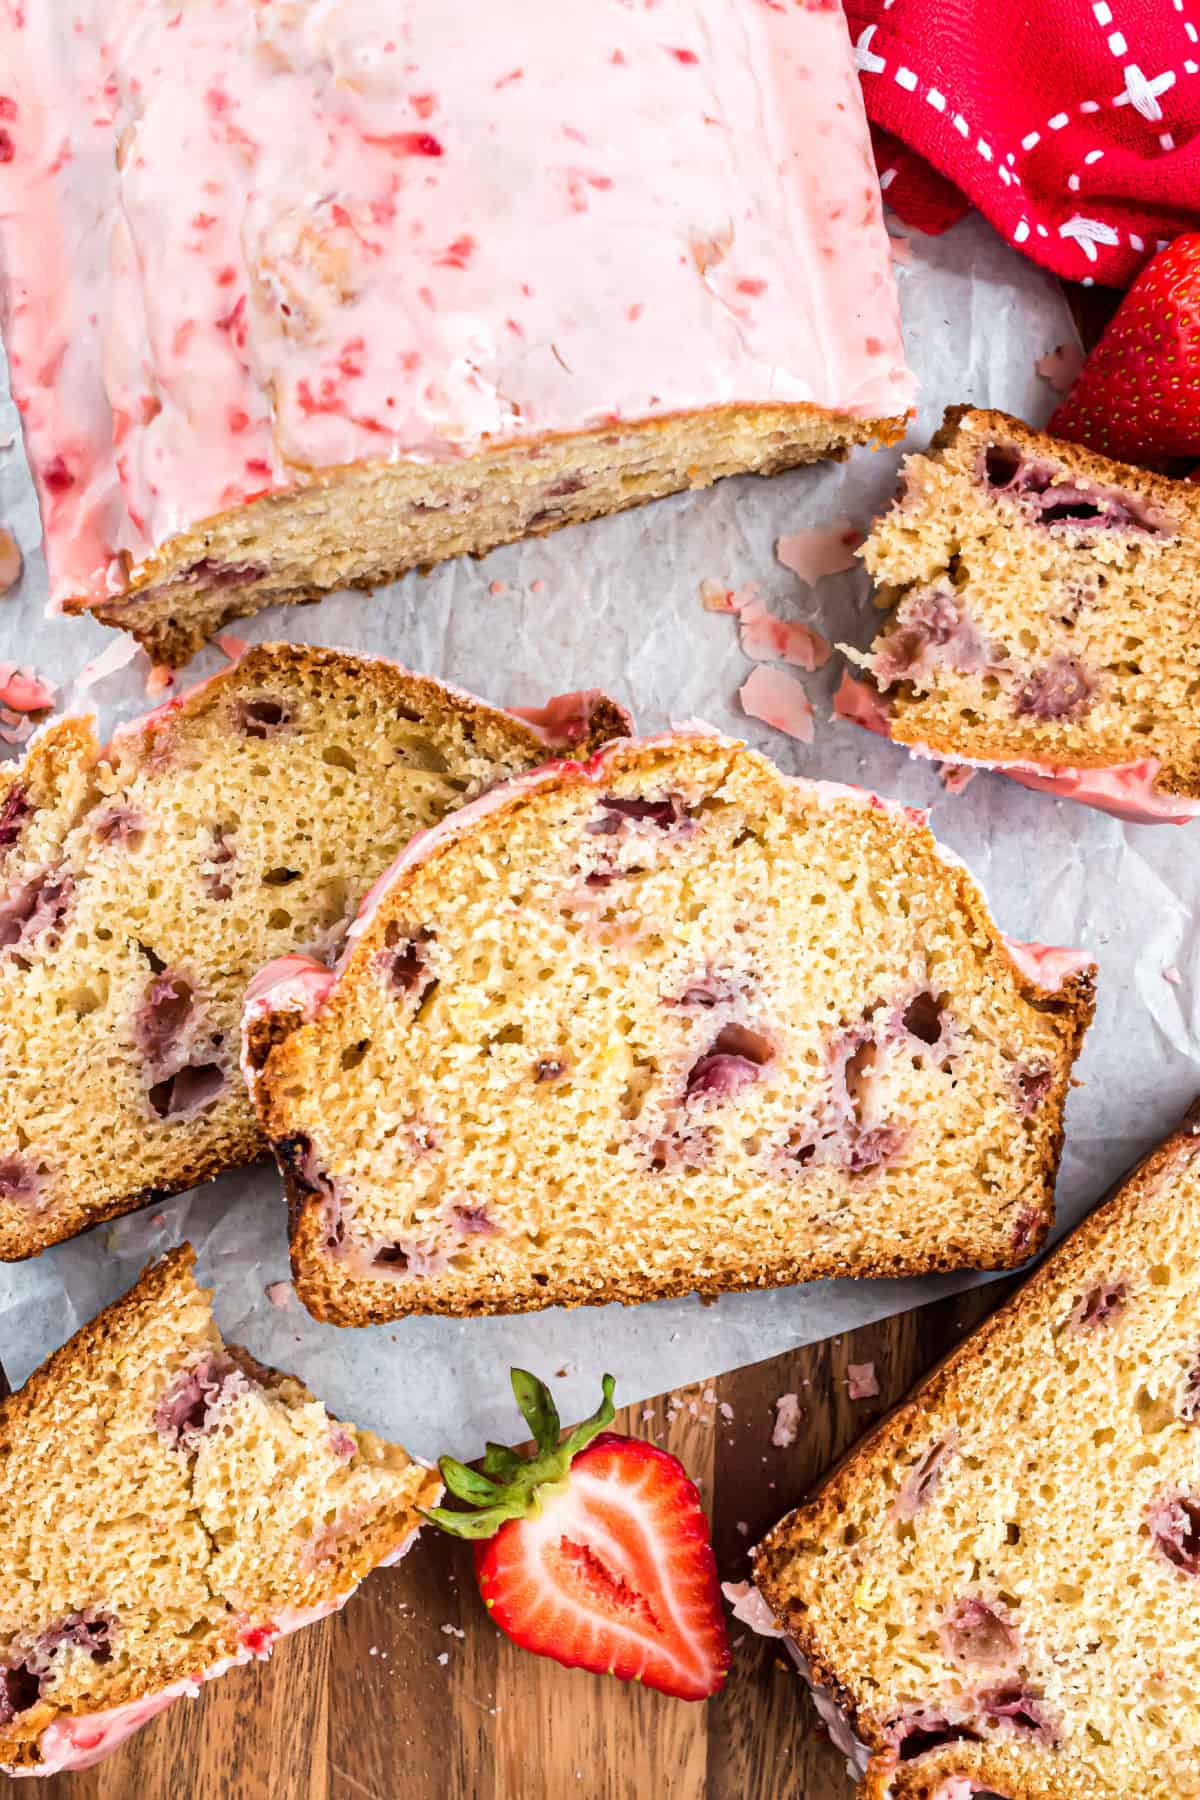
(620, 609)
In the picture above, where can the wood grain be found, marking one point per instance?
(412, 1691)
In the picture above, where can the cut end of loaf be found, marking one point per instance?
(141, 885)
(365, 525)
(1043, 606)
(265, 1512)
(997, 1583)
(659, 1023)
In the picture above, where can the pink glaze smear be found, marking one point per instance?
(248, 242)
(1126, 790)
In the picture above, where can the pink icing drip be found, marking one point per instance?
(1048, 966)
(246, 242)
(564, 720)
(1127, 790)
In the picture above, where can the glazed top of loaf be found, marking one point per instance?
(249, 239)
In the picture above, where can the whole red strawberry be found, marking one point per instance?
(1138, 395)
(594, 1551)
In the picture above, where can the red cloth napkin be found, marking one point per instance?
(1073, 125)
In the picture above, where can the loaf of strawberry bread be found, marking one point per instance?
(301, 296)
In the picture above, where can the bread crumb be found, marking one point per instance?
(787, 1421)
(453, 1631)
(743, 1528)
(444, 1658)
(861, 1382)
(1172, 975)
(279, 1293)
(725, 1410)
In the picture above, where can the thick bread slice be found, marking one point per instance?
(169, 1507)
(1044, 606)
(663, 1021)
(1001, 1584)
(142, 884)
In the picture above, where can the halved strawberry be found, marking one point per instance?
(1138, 395)
(594, 1551)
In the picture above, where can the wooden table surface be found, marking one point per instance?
(412, 1694)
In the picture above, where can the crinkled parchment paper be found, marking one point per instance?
(620, 609)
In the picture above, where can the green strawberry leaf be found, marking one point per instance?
(499, 1460)
(537, 1409)
(467, 1484)
(581, 1435)
(522, 1484)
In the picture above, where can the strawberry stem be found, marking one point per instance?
(513, 1486)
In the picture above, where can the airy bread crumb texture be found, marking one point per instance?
(668, 1022)
(1002, 1584)
(364, 525)
(165, 1501)
(1045, 604)
(143, 884)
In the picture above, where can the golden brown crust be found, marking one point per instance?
(1026, 1772)
(338, 1299)
(172, 622)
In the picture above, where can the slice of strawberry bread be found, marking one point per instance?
(169, 1508)
(1001, 1585)
(1043, 618)
(142, 885)
(662, 1021)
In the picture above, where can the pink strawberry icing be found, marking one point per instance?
(1125, 790)
(245, 243)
